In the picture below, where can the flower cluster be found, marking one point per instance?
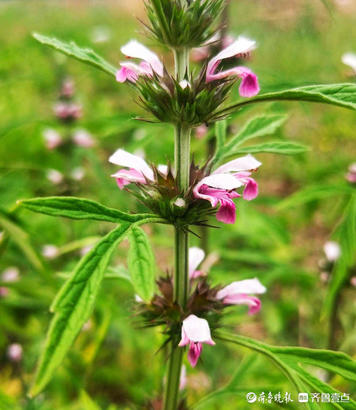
(219, 188)
(196, 322)
(193, 101)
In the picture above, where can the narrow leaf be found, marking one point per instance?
(274, 147)
(141, 264)
(71, 49)
(260, 126)
(220, 133)
(77, 208)
(74, 304)
(342, 95)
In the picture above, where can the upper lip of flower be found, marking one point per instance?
(249, 86)
(126, 159)
(150, 62)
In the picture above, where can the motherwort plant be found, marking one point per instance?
(182, 194)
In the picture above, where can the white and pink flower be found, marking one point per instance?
(195, 332)
(52, 138)
(130, 71)
(249, 86)
(219, 187)
(238, 293)
(138, 172)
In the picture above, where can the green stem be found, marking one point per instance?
(181, 280)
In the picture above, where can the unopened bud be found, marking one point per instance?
(332, 251)
(54, 176)
(180, 202)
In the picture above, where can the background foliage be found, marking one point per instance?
(278, 237)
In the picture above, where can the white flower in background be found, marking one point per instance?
(100, 34)
(54, 176)
(50, 251)
(10, 274)
(332, 251)
(350, 60)
(77, 173)
(14, 352)
(52, 138)
(83, 138)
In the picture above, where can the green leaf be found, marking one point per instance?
(220, 132)
(260, 126)
(21, 238)
(346, 237)
(141, 264)
(342, 95)
(74, 304)
(87, 402)
(77, 208)
(291, 359)
(313, 193)
(71, 49)
(273, 147)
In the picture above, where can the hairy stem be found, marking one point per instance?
(182, 167)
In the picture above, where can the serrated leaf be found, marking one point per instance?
(141, 264)
(290, 359)
(71, 49)
(21, 238)
(342, 95)
(77, 208)
(74, 304)
(273, 147)
(260, 126)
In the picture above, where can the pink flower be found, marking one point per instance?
(195, 332)
(67, 111)
(351, 175)
(82, 138)
(10, 274)
(67, 89)
(130, 71)
(219, 187)
(139, 171)
(237, 294)
(201, 131)
(14, 352)
(249, 86)
(195, 258)
(52, 138)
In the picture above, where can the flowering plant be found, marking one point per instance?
(185, 305)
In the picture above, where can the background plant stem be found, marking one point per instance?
(182, 167)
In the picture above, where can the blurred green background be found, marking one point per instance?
(115, 365)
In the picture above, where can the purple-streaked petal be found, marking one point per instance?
(195, 258)
(251, 189)
(128, 176)
(221, 181)
(253, 303)
(125, 159)
(226, 212)
(246, 286)
(194, 353)
(241, 46)
(245, 163)
(134, 49)
(249, 86)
